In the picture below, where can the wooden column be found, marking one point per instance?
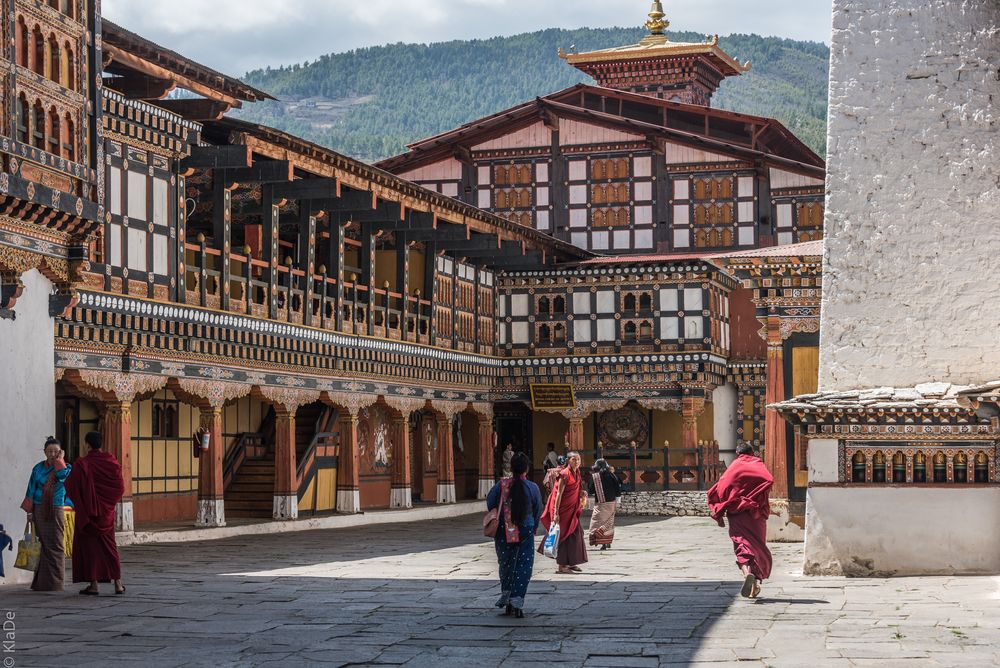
(576, 434)
(401, 493)
(117, 433)
(446, 457)
(349, 465)
(775, 449)
(307, 260)
(211, 491)
(403, 284)
(269, 248)
(691, 408)
(367, 262)
(487, 466)
(286, 493)
(222, 231)
(337, 270)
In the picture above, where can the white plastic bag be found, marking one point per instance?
(550, 548)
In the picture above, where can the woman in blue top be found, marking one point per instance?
(515, 539)
(44, 503)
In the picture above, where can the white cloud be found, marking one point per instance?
(237, 35)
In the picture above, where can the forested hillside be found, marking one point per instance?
(371, 102)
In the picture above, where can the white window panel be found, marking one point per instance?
(745, 212)
(582, 331)
(137, 240)
(484, 175)
(605, 301)
(746, 236)
(606, 329)
(578, 194)
(784, 215)
(115, 245)
(682, 238)
(504, 299)
(643, 191)
(682, 189)
(600, 240)
(581, 303)
(642, 166)
(785, 238)
(115, 191)
(693, 299)
(643, 215)
(682, 214)
(449, 266)
(670, 328)
(449, 189)
(725, 336)
(160, 254)
(669, 299)
(745, 186)
(542, 196)
(693, 327)
(485, 200)
(518, 333)
(578, 239)
(502, 331)
(160, 215)
(623, 239)
(578, 170)
(644, 238)
(136, 195)
(542, 220)
(725, 307)
(578, 218)
(519, 306)
(542, 172)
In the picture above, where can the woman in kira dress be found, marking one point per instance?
(44, 503)
(605, 487)
(521, 503)
(563, 507)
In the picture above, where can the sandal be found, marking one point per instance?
(119, 592)
(89, 592)
(749, 582)
(576, 569)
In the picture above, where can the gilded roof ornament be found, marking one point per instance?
(657, 22)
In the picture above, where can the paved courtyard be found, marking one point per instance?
(421, 595)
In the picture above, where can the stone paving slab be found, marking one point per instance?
(421, 594)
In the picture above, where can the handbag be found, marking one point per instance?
(69, 529)
(550, 548)
(491, 522)
(29, 550)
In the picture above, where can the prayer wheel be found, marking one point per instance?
(919, 467)
(878, 467)
(940, 468)
(961, 467)
(982, 467)
(858, 467)
(899, 467)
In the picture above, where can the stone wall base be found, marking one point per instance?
(666, 504)
(787, 523)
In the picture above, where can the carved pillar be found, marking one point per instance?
(349, 466)
(691, 408)
(286, 493)
(775, 449)
(446, 454)
(117, 429)
(487, 447)
(211, 490)
(401, 494)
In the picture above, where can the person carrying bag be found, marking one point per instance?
(29, 550)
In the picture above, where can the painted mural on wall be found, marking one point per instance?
(620, 428)
(429, 441)
(374, 446)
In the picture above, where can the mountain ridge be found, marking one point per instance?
(371, 102)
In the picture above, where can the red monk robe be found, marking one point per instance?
(569, 505)
(741, 494)
(95, 487)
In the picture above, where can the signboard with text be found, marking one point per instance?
(552, 397)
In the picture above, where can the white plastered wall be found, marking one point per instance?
(27, 403)
(912, 207)
(724, 400)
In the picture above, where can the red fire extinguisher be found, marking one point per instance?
(200, 441)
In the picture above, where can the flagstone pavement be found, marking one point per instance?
(421, 594)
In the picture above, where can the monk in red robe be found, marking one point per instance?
(742, 495)
(563, 507)
(95, 487)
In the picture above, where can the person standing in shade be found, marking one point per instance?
(508, 455)
(551, 458)
(563, 507)
(96, 487)
(605, 488)
(520, 503)
(44, 503)
(741, 495)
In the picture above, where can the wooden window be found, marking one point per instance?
(23, 115)
(38, 125)
(23, 42)
(68, 67)
(559, 305)
(68, 139)
(55, 60)
(52, 132)
(38, 51)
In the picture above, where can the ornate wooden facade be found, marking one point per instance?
(346, 336)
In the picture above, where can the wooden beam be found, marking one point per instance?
(139, 64)
(320, 188)
(506, 249)
(530, 260)
(217, 157)
(140, 87)
(262, 171)
(199, 110)
(480, 242)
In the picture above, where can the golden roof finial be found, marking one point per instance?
(657, 22)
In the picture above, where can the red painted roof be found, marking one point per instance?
(804, 249)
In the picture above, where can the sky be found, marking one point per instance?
(235, 36)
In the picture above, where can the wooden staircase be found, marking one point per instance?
(251, 491)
